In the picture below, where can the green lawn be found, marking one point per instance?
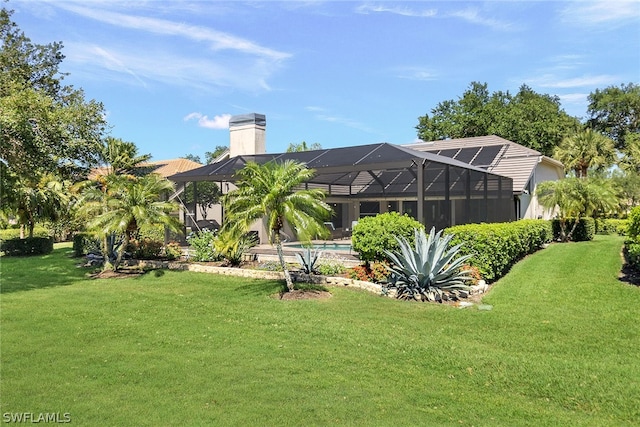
(559, 348)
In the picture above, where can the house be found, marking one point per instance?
(370, 179)
(525, 166)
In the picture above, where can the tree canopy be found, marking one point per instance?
(303, 146)
(615, 111)
(44, 124)
(527, 118)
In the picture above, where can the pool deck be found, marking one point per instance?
(267, 252)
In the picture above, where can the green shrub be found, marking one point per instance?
(584, 232)
(331, 265)
(203, 245)
(632, 254)
(633, 225)
(373, 235)
(28, 246)
(14, 232)
(497, 247)
(611, 225)
(85, 243)
(172, 251)
(145, 248)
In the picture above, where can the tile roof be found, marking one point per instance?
(164, 168)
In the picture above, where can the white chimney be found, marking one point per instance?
(247, 134)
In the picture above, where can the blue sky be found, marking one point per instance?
(340, 73)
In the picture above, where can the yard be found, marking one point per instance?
(559, 347)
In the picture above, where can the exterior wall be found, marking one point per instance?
(530, 208)
(246, 140)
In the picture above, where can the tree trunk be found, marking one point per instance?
(287, 275)
(575, 225)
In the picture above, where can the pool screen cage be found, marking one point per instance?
(393, 178)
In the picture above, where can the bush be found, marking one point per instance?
(145, 248)
(85, 243)
(14, 232)
(611, 225)
(497, 247)
(632, 254)
(377, 272)
(373, 235)
(172, 251)
(633, 225)
(331, 265)
(28, 246)
(203, 244)
(584, 232)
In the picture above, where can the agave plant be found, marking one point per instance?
(308, 260)
(431, 271)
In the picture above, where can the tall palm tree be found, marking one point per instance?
(585, 150)
(272, 191)
(127, 205)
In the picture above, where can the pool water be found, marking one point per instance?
(326, 246)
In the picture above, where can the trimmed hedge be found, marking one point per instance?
(584, 231)
(14, 232)
(611, 225)
(28, 246)
(495, 248)
(373, 234)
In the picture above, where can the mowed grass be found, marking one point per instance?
(559, 348)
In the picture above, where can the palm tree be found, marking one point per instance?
(576, 198)
(127, 205)
(585, 150)
(272, 191)
(121, 157)
(35, 199)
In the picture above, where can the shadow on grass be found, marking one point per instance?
(58, 268)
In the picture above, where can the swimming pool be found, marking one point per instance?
(323, 246)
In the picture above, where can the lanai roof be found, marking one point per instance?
(345, 166)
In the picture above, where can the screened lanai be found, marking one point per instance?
(370, 179)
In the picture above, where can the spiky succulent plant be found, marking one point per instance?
(429, 272)
(308, 260)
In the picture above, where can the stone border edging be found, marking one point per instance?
(261, 274)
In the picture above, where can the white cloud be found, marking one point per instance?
(396, 10)
(218, 40)
(598, 12)
(217, 122)
(204, 73)
(473, 15)
(553, 81)
(415, 73)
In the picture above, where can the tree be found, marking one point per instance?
(130, 204)
(630, 160)
(121, 157)
(296, 148)
(193, 158)
(576, 198)
(527, 118)
(585, 150)
(211, 156)
(615, 111)
(38, 198)
(207, 194)
(271, 191)
(44, 125)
